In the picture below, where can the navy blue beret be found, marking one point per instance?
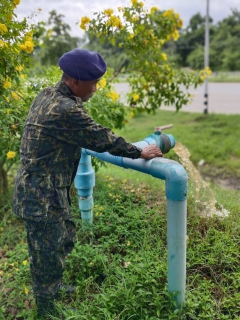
(82, 64)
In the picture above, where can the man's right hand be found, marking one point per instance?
(150, 152)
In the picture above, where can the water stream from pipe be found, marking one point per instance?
(205, 201)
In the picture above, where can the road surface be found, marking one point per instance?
(223, 98)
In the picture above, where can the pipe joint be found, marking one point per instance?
(175, 177)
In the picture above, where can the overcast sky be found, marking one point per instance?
(73, 10)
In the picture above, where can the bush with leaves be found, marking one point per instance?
(15, 46)
(142, 33)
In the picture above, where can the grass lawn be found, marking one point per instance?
(120, 266)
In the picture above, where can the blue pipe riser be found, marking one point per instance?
(87, 217)
(176, 244)
(86, 203)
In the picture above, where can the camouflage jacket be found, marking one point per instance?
(56, 129)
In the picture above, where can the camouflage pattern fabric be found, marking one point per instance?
(48, 245)
(56, 129)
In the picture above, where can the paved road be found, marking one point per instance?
(223, 98)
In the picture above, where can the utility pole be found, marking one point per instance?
(206, 57)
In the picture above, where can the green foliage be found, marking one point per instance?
(141, 35)
(224, 43)
(15, 46)
(54, 40)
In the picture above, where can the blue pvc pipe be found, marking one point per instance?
(84, 182)
(176, 239)
(176, 193)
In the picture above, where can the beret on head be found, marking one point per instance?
(83, 64)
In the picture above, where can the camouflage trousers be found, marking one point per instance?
(48, 245)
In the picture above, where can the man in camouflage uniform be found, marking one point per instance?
(56, 129)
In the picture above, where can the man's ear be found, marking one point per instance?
(75, 82)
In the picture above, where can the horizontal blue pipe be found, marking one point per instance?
(171, 171)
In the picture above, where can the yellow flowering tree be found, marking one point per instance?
(15, 46)
(105, 106)
(142, 33)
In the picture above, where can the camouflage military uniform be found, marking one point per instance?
(56, 128)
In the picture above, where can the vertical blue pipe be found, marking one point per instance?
(84, 182)
(176, 242)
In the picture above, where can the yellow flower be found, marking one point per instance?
(84, 21)
(134, 2)
(180, 23)
(28, 46)
(24, 262)
(168, 13)
(11, 154)
(26, 290)
(115, 22)
(102, 83)
(117, 200)
(7, 84)
(141, 4)
(113, 95)
(154, 9)
(17, 2)
(3, 28)
(22, 76)
(22, 47)
(15, 96)
(108, 12)
(91, 263)
(19, 68)
(3, 44)
(175, 35)
(28, 36)
(135, 18)
(128, 243)
(49, 33)
(131, 35)
(164, 56)
(135, 97)
(208, 71)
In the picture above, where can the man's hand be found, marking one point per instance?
(150, 152)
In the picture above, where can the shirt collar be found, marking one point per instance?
(65, 90)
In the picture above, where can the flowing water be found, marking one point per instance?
(205, 201)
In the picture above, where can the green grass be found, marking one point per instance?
(120, 266)
(213, 138)
(225, 77)
(220, 76)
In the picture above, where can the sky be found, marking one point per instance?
(73, 10)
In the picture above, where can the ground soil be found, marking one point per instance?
(226, 182)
